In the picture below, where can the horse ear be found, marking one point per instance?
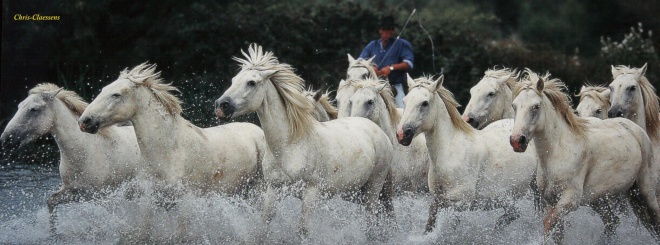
(502, 80)
(371, 60)
(615, 72)
(410, 81)
(606, 93)
(439, 81)
(267, 73)
(540, 84)
(641, 71)
(583, 88)
(350, 59)
(318, 95)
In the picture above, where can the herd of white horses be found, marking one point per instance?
(365, 150)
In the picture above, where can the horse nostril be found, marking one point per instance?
(470, 120)
(224, 105)
(87, 120)
(523, 139)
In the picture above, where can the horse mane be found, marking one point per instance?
(71, 99)
(594, 91)
(553, 89)
(450, 104)
(289, 86)
(145, 75)
(325, 102)
(512, 75)
(651, 106)
(360, 62)
(387, 96)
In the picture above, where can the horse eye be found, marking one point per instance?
(491, 94)
(631, 88)
(365, 76)
(425, 103)
(34, 109)
(599, 111)
(577, 113)
(116, 95)
(536, 107)
(370, 102)
(251, 83)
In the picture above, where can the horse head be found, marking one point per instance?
(594, 102)
(422, 105)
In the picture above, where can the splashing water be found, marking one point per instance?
(218, 219)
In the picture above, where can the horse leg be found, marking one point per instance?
(433, 212)
(645, 206)
(310, 198)
(553, 224)
(57, 198)
(511, 213)
(386, 195)
(609, 218)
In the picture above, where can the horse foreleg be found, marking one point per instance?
(269, 204)
(310, 198)
(511, 213)
(433, 212)
(63, 196)
(607, 215)
(645, 207)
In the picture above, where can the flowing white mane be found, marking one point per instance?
(72, 100)
(651, 105)
(450, 103)
(145, 75)
(553, 89)
(594, 92)
(512, 75)
(289, 85)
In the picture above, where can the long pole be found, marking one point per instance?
(398, 37)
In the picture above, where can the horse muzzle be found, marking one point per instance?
(405, 135)
(224, 109)
(519, 142)
(88, 125)
(612, 113)
(9, 141)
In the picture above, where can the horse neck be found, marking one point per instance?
(151, 122)
(507, 112)
(639, 117)
(274, 122)
(385, 123)
(554, 136)
(439, 138)
(72, 143)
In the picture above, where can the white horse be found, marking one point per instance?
(594, 102)
(579, 162)
(410, 164)
(323, 108)
(360, 69)
(89, 164)
(634, 97)
(471, 168)
(490, 99)
(225, 158)
(346, 156)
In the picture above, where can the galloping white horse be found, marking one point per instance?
(490, 99)
(634, 97)
(579, 163)
(410, 164)
(323, 108)
(471, 168)
(344, 156)
(88, 163)
(594, 102)
(225, 158)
